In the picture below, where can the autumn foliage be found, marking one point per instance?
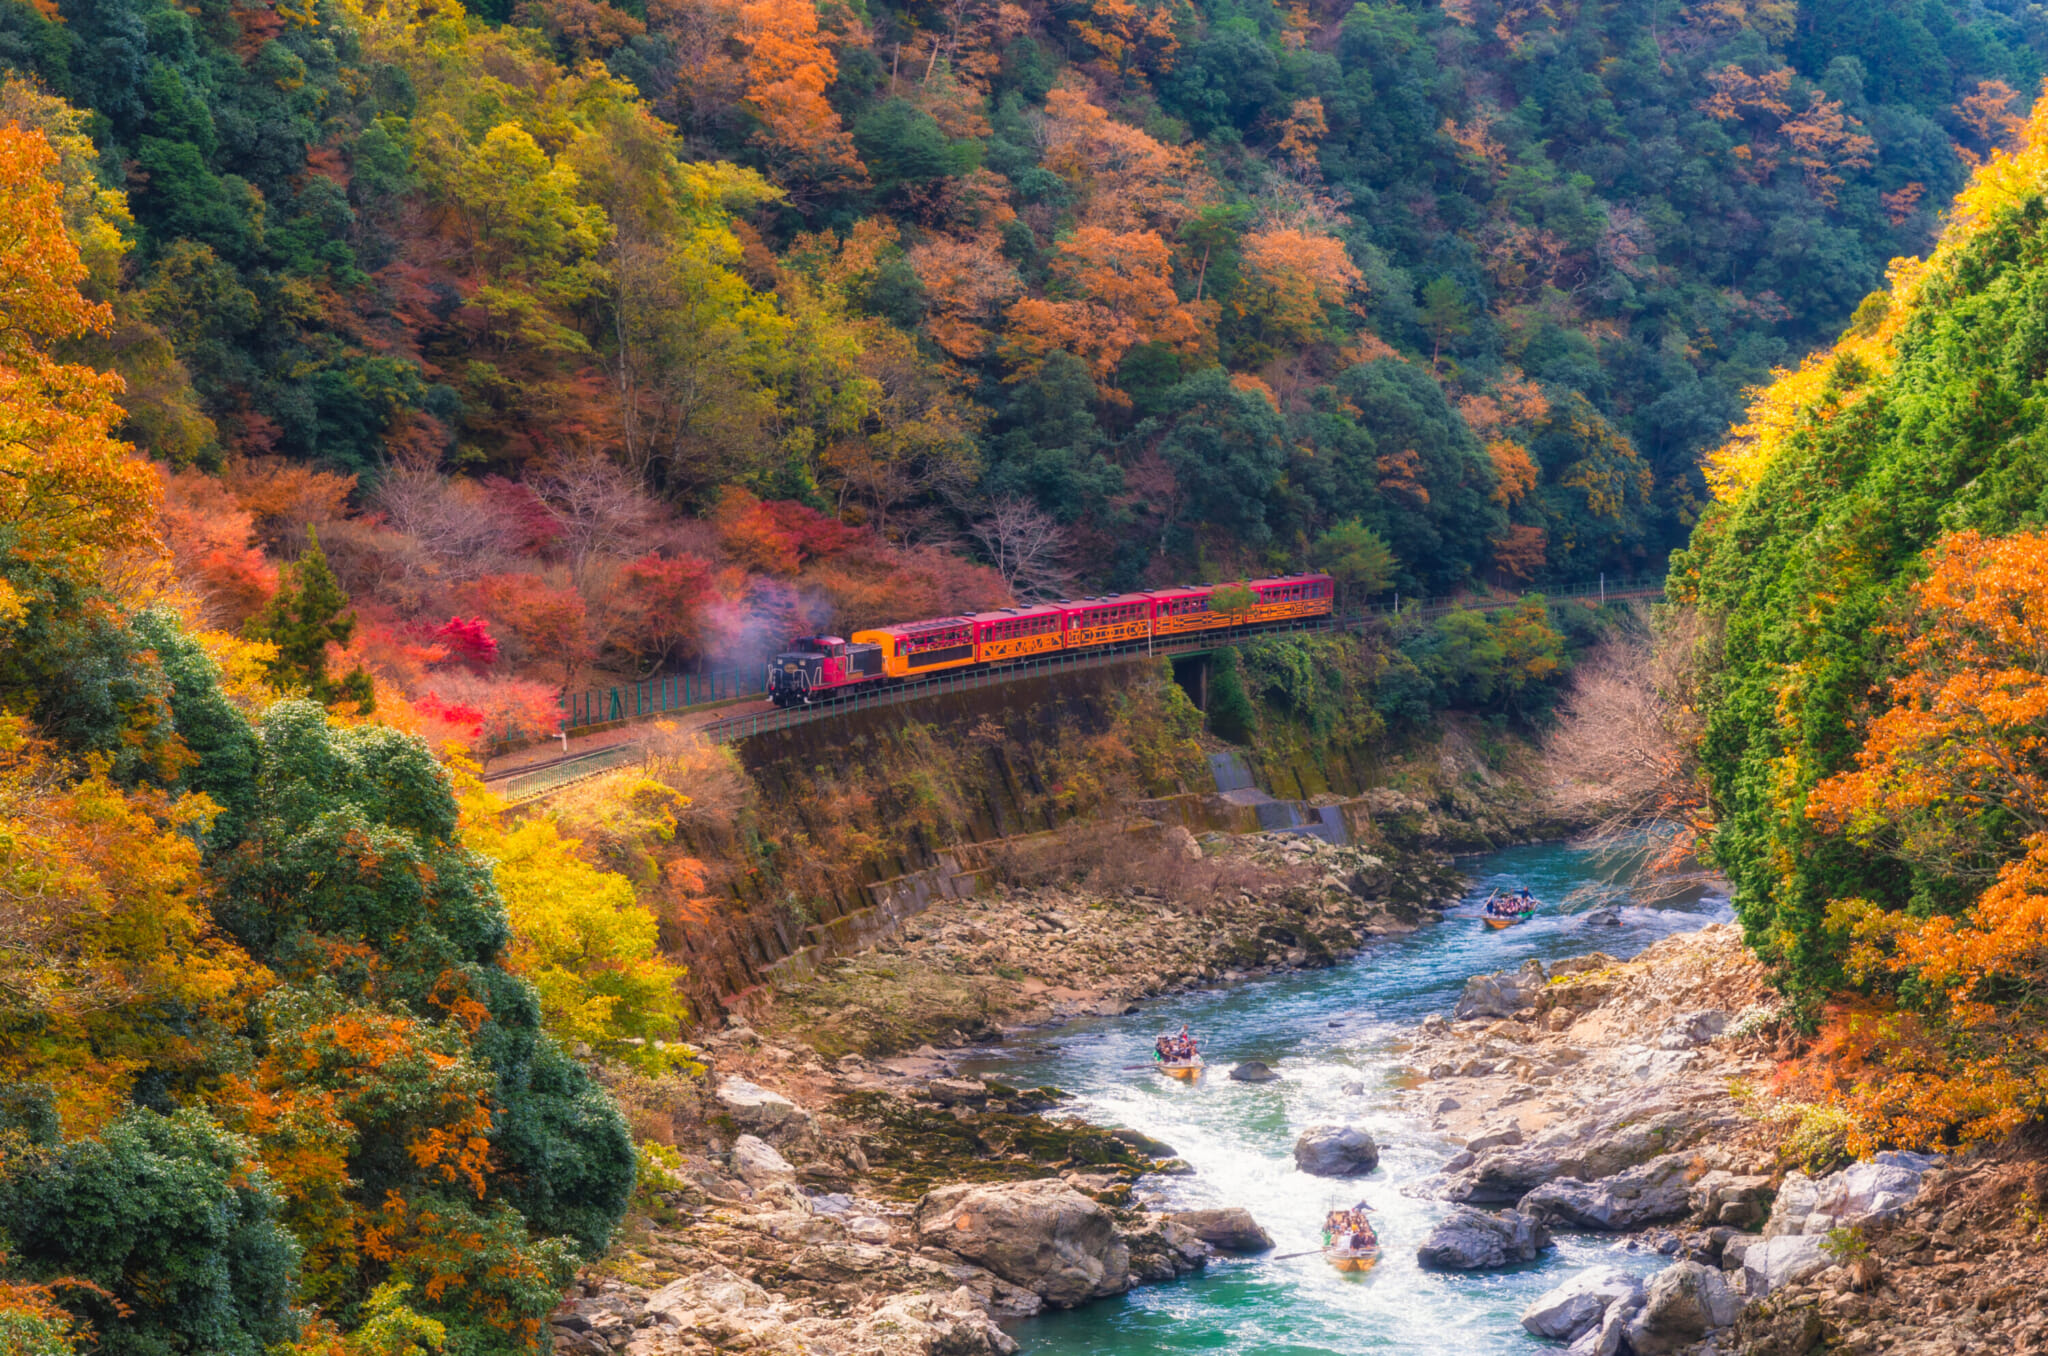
(1954, 774)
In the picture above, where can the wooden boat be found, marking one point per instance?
(1348, 1258)
(1503, 920)
(1181, 1068)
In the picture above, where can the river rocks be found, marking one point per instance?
(1647, 1194)
(1684, 1303)
(1601, 918)
(1228, 1230)
(1472, 1240)
(1336, 1151)
(716, 1307)
(931, 1325)
(1566, 1312)
(1740, 1201)
(1041, 1235)
(1161, 1249)
(1495, 1137)
(1500, 994)
(1144, 1143)
(1692, 1030)
(755, 1109)
(1253, 1071)
(757, 1164)
(1585, 1149)
(1778, 1262)
(957, 1092)
(1859, 1194)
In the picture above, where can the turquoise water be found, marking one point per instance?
(1322, 1031)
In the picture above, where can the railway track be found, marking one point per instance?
(542, 779)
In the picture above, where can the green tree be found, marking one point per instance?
(1231, 714)
(1357, 557)
(1233, 602)
(1446, 314)
(309, 613)
(175, 1221)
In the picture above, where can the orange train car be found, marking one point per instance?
(1189, 609)
(914, 649)
(1018, 633)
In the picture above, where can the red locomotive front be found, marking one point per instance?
(815, 667)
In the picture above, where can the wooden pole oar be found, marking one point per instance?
(1290, 1256)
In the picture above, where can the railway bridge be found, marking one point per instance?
(719, 708)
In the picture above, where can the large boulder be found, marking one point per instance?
(1161, 1249)
(932, 1325)
(1253, 1071)
(1685, 1302)
(757, 1110)
(1862, 1193)
(1228, 1230)
(1778, 1262)
(720, 1306)
(1501, 994)
(1608, 1337)
(757, 1164)
(1567, 1311)
(1649, 1193)
(1043, 1235)
(1649, 1129)
(1336, 1151)
(1736, 1200)
(1472, 1240)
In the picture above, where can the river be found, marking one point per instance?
(1322, 1031)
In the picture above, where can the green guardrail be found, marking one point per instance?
(654, 696)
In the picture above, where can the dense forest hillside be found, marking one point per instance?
(371, 371)
(636, 335)
(1873, 677)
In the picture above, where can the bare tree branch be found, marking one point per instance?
(1027, 546)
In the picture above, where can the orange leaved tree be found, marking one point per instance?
(70, 494)
(1954, 776)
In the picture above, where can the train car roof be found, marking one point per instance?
(1103, 600)
(1184, 590)
(929, 623)
(1012, 613)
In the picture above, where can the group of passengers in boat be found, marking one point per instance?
(1176, 1049)
(1350, 1229)
(1512, 906)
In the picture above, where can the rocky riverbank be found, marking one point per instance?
(822, 1186)
(888, 1208)
(1614, 1097)
(1191, 914)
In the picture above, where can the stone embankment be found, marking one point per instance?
(1600, 1096)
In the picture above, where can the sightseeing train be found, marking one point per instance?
(821, 668)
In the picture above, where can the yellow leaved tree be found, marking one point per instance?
(584, 940)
